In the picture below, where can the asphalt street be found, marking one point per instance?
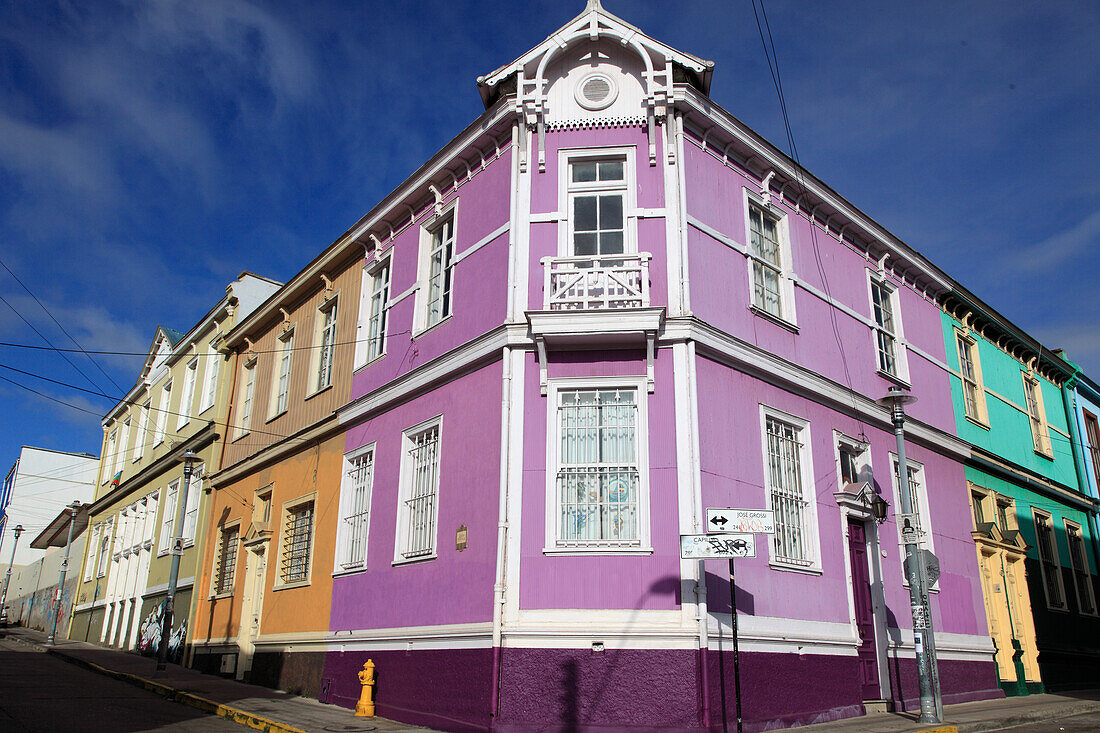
(1085, 722)
(40, 693)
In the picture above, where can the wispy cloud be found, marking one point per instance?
(1059, 249)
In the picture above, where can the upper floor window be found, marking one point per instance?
(597, 203)
(326, 344)
(375, 307)
(281, 388)
(191, 516)
(110, 456)
(1033, 396)
(1006, 514)
(970, 371)
(1082, 577)
(210, 379)
(248, 389)
(1049, 564)
(918, 498)
(162, 414)
(854, 461)
(225, 563)
(168, 516)
(767, 261)
(437, 271)
(599, 478)
(93, 545)
(885, 308)
(104, 548)
(419, 491)
(789, 482)
(1092, 435)
(142, 431)
(355, 495)
(977, 507)
(188, 394)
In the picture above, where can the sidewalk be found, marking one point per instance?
(256, 707)
(278, 712)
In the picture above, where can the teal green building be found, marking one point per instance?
(1033, 535)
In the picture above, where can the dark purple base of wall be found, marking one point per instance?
(298, 673)
(442, 689)
(582, 690)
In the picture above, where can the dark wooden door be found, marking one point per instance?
(865, 617)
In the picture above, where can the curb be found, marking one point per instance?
(249, 720)
(1069, 709)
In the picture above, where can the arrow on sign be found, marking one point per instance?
(718, 521)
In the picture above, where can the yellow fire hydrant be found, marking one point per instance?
(365, 708)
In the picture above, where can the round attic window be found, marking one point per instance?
(596, 91)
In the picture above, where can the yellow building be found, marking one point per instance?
(178, 405)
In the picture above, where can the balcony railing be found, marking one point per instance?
(596, 282)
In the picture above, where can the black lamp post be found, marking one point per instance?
(7, 578)
(189, 458)
(59, 594)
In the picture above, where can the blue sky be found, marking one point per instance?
(151, 151)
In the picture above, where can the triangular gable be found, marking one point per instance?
(596, 70)
(164, 340)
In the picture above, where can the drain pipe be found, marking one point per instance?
(502, 537)
(1076, 440)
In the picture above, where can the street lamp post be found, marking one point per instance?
(189, 459)
(896, 399)
(73, 509)
(7, 578)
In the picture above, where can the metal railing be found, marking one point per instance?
(596, 282)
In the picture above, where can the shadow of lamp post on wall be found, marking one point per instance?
(924, 642)
(189, 458)
(60, 592)
(7, 577)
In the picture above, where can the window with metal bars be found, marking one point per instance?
(327, 344)
(419, 492)
(1039, 435)
(597, 477)
(790, 493)
(226, 570)
(355, 508)
(767, 261)
(1086, 601)
(1048, 561)
(883, 305)
(297, 543)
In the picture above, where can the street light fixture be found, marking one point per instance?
(189, 459)
(73, 509)
(924, 640)
(7, 578)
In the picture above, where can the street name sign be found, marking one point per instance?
(717, 546)
(741, 520)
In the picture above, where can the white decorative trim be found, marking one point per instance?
(182, 583)
(595, 123)
(406, 638)
(490, 237)
(784, 635)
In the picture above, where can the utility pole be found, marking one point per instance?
(73, 509)
(7, 578)
(189, 459)
(896, 399)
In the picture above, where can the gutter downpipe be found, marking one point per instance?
(1069, 401)
(500, 586)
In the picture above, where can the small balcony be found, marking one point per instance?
(604, 282)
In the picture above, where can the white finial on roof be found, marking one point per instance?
(593, 5)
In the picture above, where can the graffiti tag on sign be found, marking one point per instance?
(920, 620)
(741, 520)
(717, 546)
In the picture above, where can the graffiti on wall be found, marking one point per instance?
(149, 638)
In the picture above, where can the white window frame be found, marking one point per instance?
(123, 442)
(281, 373)
(428, 230)
(402, 551)
(811, 539)
(374, 306)
(93, 551)
(104, 551)
(210, 379)
(1037, 420)
(1074, 529)
(861, 451)
(554, 543)
(901, 354)
(921, 508)
(163, 405)
(247, 404)
(567, 191)
(191, 517)
(324, 343)
(142, 431)
(168, 516)
(787, 314)
(353, 516)
(111, 454)
(1039, 516)
(289, 508)
(219, 567)
(965, 342)
(187, 397)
